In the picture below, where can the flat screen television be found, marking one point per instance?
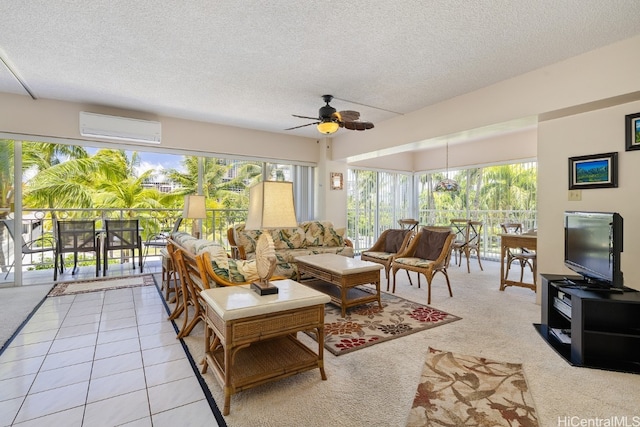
(592, 247)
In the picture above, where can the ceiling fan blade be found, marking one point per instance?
(347, 115)
(305, 117)
(357, 125)
(301, 126)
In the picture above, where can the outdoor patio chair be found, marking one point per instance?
(73, 236)
(169, 272)
(41, 244)
(428, 253)
(122, 234)
(386, 248)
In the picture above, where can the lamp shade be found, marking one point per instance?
(271, 206)
(328, 127)
(194, 207)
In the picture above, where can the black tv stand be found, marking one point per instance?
(590, 285)
(597, 328)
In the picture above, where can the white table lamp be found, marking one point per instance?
(194, 208)
(270, 206)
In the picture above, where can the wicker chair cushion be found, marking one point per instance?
(393, 240)
(430, 244)
(384, 256)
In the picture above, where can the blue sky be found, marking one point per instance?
(149, 160)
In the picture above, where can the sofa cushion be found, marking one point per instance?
(225, 267)
(288, 238)
(430, 244)
(313, 233)
(334, 236)
(246, 238)
(393, 240)
(185, 240)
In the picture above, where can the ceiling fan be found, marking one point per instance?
(329, 120)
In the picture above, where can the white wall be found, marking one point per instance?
(599, 131)
(599, 74)
(331, 205)
(22, 115)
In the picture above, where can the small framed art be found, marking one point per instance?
(336, 181)
(632, 132)
(593, 171)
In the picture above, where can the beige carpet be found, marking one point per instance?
(376, 386)
(460, 390)
(70, 288)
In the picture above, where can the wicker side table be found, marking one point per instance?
(251, 339)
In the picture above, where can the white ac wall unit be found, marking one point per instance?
(119, 128)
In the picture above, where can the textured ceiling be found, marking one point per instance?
(254, 63)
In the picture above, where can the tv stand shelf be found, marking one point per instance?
(604, 326)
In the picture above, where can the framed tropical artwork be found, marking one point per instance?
(593, 171)
(632, 132)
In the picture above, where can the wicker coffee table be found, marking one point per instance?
(251, 339)
(338, 277)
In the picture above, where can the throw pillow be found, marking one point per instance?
(314, 233)
(287, 238)
(430, 244)
(393, 241)
(334, 237)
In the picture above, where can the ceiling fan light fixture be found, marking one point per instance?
(328, 126)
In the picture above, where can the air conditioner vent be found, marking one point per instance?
(119, 128)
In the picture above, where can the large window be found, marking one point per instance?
(69, 181)
(376, 201)
(492, 194)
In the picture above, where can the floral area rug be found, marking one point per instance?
(368, 324)
(70, 288)
(458, 390)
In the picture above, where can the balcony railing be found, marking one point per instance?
(153, 221)
(365, 237)
(38, 222)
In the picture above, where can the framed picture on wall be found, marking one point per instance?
(632, 131)
(336, 181)
(593, 171)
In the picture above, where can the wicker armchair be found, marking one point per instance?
(388, 245)
(428, 253)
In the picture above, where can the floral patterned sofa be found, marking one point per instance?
(219, 269)
(309, 238)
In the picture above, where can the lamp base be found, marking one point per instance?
(264, 288)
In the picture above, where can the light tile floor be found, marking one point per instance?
(107, 358)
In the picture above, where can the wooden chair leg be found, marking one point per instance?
(479, 263)
(394, 281)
